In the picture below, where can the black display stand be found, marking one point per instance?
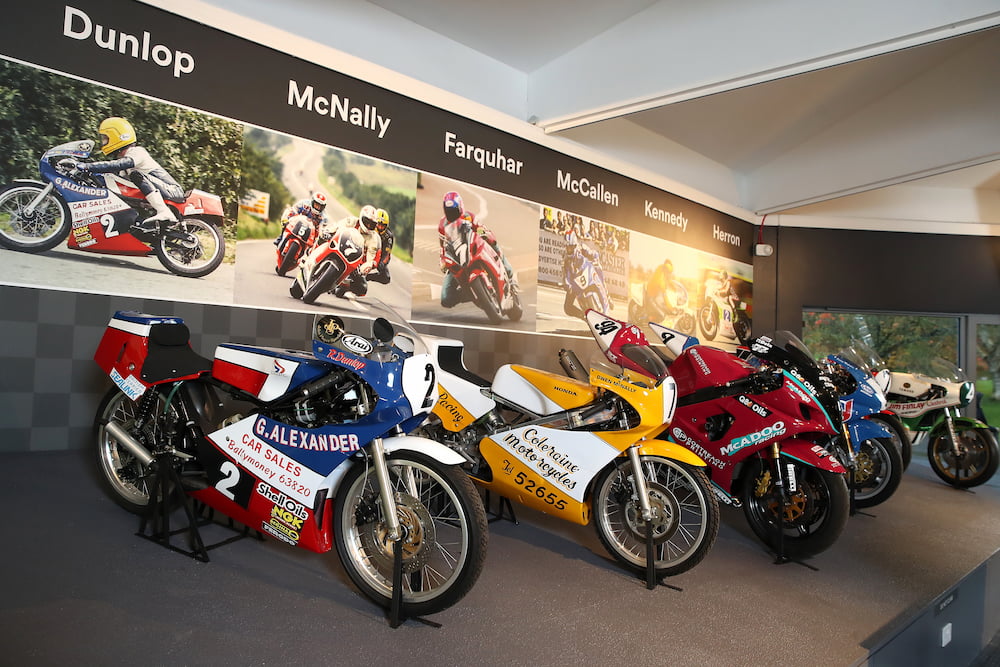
(165, 493)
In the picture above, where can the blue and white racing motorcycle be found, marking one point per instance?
(874, 458)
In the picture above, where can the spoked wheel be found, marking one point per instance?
(877, 473)
(42, 228)
(685, 514)
(444, 532)
(192, 247)
(900, 438)
(973, 464)
(123, 476)
(814, 518)
(486, 297)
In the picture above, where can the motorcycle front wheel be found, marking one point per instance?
(124, 477)
(191, 248)
(321, 281)
(444, 532)
(975, 462)
(290, 257)
(900, 438)
(686, 514)
(486, 297)
(516, 309)
(877, 473)
(708, 321)
(42, 229)
(815, 516)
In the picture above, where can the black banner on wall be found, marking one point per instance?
(147, 50)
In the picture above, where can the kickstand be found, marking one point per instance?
(652, 581)
(396, 603)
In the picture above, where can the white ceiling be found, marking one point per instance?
(767, 107)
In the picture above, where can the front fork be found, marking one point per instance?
(385, 490)
(46, 191)
(639, 484)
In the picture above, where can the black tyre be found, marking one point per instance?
(323, 279)
(685, 324)
(124, 477)
(444, 532)
(900, 437)
(708, 321)
(686, 512)
(975, 463)
(878, 472)
(486, 297)
(191, 248)
(741, 327)
(516, 310)
(592, 301)
(815, 517)
(295, 290)
(42, 229)
(289, 258)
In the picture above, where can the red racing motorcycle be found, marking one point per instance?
(478, 267)
(297, 238)
(328, 264)
(765, 437)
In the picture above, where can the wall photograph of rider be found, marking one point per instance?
(142, 194)
(696, 293)
(583, 264)
(474, 256)
(316, 194)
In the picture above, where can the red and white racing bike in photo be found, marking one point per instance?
(103, 212)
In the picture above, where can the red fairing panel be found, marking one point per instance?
(811, 454)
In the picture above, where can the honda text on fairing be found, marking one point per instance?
(962, 450)
(307, 447)
(103, 212)
(765, 435)
(570, 447)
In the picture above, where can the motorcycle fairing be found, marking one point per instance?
(541, 392)
(811, 454)
(671, 450)
(266, 373)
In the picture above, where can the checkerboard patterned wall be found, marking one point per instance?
(50, 386)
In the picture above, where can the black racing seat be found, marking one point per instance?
(170, 355)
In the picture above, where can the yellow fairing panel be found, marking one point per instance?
(670, 450)
(564, 391)
(453, 416)
(516, 481)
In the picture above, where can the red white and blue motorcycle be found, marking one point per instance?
(103, 211)
(306, 447)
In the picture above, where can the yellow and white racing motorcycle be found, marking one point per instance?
(571, 448)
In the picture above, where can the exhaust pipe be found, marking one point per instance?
(130, 443)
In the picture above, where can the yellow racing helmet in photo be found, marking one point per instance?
(115, 133)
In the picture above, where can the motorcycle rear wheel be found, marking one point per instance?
(486, 297)
(686, 522)
(708, 321)
(879, 470)
(817, 515)
(289, 259)
(900, 438)
(444, 532)
(977, 460)
(123, 477)
(191, 248)
(43, 230)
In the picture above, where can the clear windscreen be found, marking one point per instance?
(378, 333)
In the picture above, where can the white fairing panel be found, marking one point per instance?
(511, 386)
